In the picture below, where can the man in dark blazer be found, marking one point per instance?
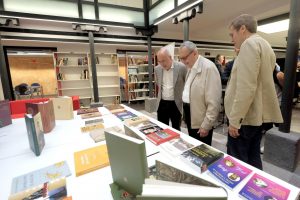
(170, 79)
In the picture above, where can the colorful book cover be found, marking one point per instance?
(40, 176)
(86, 110)
(150, 129)
(200, 157)
(90, 159)
(261, 188)
(162, 136)
(5, 117)
(125, 115)
(35, 133)
(229, 171)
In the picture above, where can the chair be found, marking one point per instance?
(22, 89)
(37, 88)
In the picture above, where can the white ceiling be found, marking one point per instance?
(212, 24)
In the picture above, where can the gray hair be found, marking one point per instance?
(249, 21)
(165, 50)
(189, 45)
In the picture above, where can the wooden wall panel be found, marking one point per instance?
(33, 69)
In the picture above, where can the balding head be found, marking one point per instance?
(164, 58)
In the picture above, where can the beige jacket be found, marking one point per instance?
(250, 97)
(205, 95)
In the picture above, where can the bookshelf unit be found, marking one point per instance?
(72, 74)
(107, 77)
(138, 76)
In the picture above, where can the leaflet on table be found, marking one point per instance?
(229, 171)
(261, 188)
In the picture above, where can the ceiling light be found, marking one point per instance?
(274, 27)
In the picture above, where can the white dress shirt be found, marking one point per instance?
(167, 84)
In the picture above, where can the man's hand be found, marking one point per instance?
(202, 132)
(233, 132)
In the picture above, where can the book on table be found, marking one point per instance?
(135, 120)
(229, 171)
(125, 115)
(5, 115)
(200, 157)
(90, 159)
(161, 136)
(35, 133)
(177, 146)
(93, 121)
(63, 108)
(47, 113)
(129, 169)
(90, 115)
(86, 110)
(92, 127)
(261, 188)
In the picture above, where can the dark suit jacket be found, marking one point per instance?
(179, 73)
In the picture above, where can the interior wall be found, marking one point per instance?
(33, 69)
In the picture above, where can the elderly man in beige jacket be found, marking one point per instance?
(250, 98)
(201, 94)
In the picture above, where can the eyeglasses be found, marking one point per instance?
(186, 57)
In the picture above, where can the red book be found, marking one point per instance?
(162, 136)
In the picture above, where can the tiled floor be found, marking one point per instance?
(220, 140)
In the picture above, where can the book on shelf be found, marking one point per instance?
(200, 157)
(90, 159)
(63, 108)
(35, 133)
(86, 110)
(40, 176)
(160, 190)
(54, 190)
(90, 115)
(47, 113)
(92, 127)
(135, 120)
(84, 74)
(125, 115)
(159, 137)
(82, 61)
(62, 62)
(129, 169)
(176, 146)
(261, 188)
(94, 121)
(229, 171)
(5, 116)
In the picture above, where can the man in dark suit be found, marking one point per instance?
(170, 78)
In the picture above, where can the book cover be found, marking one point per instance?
(93, 121)
(162, 136)
(125, 115)
(90, 159)
(92, 127)
(200, 157)
(261, 188)
(176, 146)
(90, 115)
(5, 117)
(35, 133)
(87, 110)
(63, 108)
(229, 171)
(150, 128)
(53, 190)
(135, 120)
(113, 107)
(97, 135)
(47, 113)
(40, 176)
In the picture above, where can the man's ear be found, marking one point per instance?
(243, 28)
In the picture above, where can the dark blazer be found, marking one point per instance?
(179, 73)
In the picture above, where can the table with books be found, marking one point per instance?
(76, 160)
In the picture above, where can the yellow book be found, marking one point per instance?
(90, 159)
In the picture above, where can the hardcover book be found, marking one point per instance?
(92, 127)
(176, 146)
(124, 115)
(63, 108)
(90, 115)
(113, 107)
(54, 190)
(129, 169)
(93, 121)
(200, 157)
(47, 113)
(40, 176)
(149, 128)
(87, 110)
(261, 188)
(5, 115)
(229, 171)
(90, 159)
(135, 120)
(35, 133)
(159, 137)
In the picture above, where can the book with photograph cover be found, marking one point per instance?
(176, 146)
(200, 157)
(159, 137)
(261, 188)
(5, 115)
(229, 171)
(125, 115)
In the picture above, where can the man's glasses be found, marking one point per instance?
(186, 57)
